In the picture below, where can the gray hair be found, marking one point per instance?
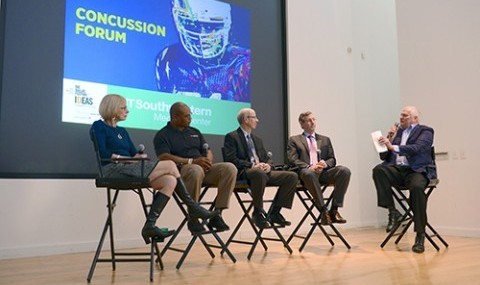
(244, 113)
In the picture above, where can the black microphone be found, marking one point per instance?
(205, 149)
(391, 134)
(140, 149)
(319, 152)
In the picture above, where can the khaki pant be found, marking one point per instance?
(223, 175)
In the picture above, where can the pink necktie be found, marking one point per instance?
(313, 150)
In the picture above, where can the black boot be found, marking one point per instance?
(149, 229)
(195, 211)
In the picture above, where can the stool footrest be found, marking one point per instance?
(407, 218)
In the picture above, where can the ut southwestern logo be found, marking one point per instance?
(81, 97)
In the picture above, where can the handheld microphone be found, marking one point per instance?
(390, 135)
(140, 149)
(205, 149)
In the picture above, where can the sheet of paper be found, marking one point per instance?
(379, 147)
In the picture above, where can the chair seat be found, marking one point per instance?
(122, 183)
(432, 183)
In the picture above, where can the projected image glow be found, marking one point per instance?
(155, 53)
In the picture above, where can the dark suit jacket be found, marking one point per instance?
(299, 155)
(417, 150)
(235, 150)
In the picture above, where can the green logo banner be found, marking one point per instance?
(150, 110)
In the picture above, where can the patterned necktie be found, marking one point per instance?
(313, 150)
(251, 150)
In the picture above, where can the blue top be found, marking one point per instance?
(112, 140)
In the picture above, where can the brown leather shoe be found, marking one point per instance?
(336, 217)
(325, 218)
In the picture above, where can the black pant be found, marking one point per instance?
(386, 176)
(258, 180)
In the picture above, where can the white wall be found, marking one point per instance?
(432, 63)
(430, 58)
(343, 66)
(439, 52)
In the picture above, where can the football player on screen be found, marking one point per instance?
(204, 63)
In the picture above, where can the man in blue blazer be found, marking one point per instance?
(247, 152)
(312, 154)
(408, 162)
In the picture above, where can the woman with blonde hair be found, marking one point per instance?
(114, 143)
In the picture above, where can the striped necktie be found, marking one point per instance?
(251, 150)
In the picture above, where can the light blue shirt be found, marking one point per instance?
(402, 160)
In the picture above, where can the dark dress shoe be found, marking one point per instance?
(325, 218)
(277, 218)
(259, 220)
(336, 217)
(394, 218)
(217, 223)
(195, 227)
(155, 233)
(419, 245)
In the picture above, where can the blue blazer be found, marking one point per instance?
(417, 150)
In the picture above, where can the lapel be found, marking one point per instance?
(319, 140)
(243, 142)
(413, 133)
(303, 139)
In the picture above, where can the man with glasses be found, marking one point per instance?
(246, 151)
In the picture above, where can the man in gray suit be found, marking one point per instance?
(312, 154)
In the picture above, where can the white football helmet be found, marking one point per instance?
(203, 26)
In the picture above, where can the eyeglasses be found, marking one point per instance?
(252, 117)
